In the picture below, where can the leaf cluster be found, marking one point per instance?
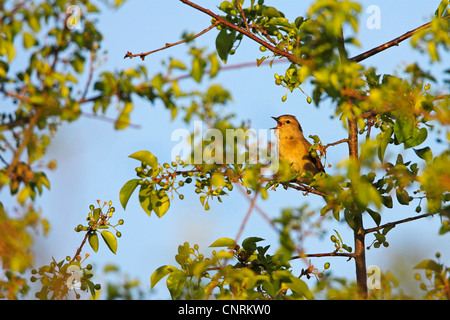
(235, 272)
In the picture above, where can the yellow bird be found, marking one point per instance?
(294, 148)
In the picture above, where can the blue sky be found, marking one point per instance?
(93, 158)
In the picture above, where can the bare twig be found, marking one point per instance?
(394, 223)
(243, 15)
(335, 143)
(27, 135)
(289, 56)
(77, 253)
(329, 254)
(394, 42)
(306, 189)
(247, 215)
(168, 45)
(91, 73)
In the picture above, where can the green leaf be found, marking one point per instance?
(419, 136)
(198, 66)
(93, 241)
(147, 157)
(442, 8)
(298, 286)
(424, 153)
(160, 206)
(429, 264)
(271, 12)
(375, 216)
(387, 201)
(224, 44)
(383, 140)
(160, 273)
(402, 196)
(28, 40)
(223, 242)
(352, 219)
(96, 214)
(177, 64)
(175, 283)
(126, 191)
(249, 244)
(123, 120)
(110, 240)
(145, 199)
(404, 128)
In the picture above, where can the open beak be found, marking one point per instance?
(278, 123)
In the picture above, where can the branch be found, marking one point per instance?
(168, 45)
(307, 189)
(335, 143)
(329, 254)
(387, 45)
(27, 135)
(289, 56)
(394, 223)
(232, 67)
(247, 215)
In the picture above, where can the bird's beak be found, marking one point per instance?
(278, 123)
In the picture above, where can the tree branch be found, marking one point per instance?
(335, 143)
(168, 45)
(394, 42)
(394, 223)
(329, 254)
(289, 56)
(26, 137)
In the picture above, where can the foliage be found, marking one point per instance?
(437, 280)
(252, 274)
(385, 115)
(393, 113)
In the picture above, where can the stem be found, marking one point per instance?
(291, 57)
(394, 223)
(27, 135)
(168, 45)
(360, 250)
(387, 45)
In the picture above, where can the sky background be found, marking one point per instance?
(93, 158)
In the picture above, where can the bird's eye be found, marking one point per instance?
(288, 121)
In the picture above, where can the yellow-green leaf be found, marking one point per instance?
(160, 273)
(28, 40)
(223, 242)
(126, 191)
(93, 241)
(110, 240)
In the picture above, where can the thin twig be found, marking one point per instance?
(243, 15)
(307, 189)
(335, 143)
(168, 45)
(26, 138)
(289, 56)
(77, 253)
(329, 254)
(233, 67)
(394, 223)
(394, 42)
(91, 73)
(107, 119)
(247, 215)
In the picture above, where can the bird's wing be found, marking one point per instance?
(315, 160)
(318, 163)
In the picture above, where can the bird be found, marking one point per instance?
(295, 149)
